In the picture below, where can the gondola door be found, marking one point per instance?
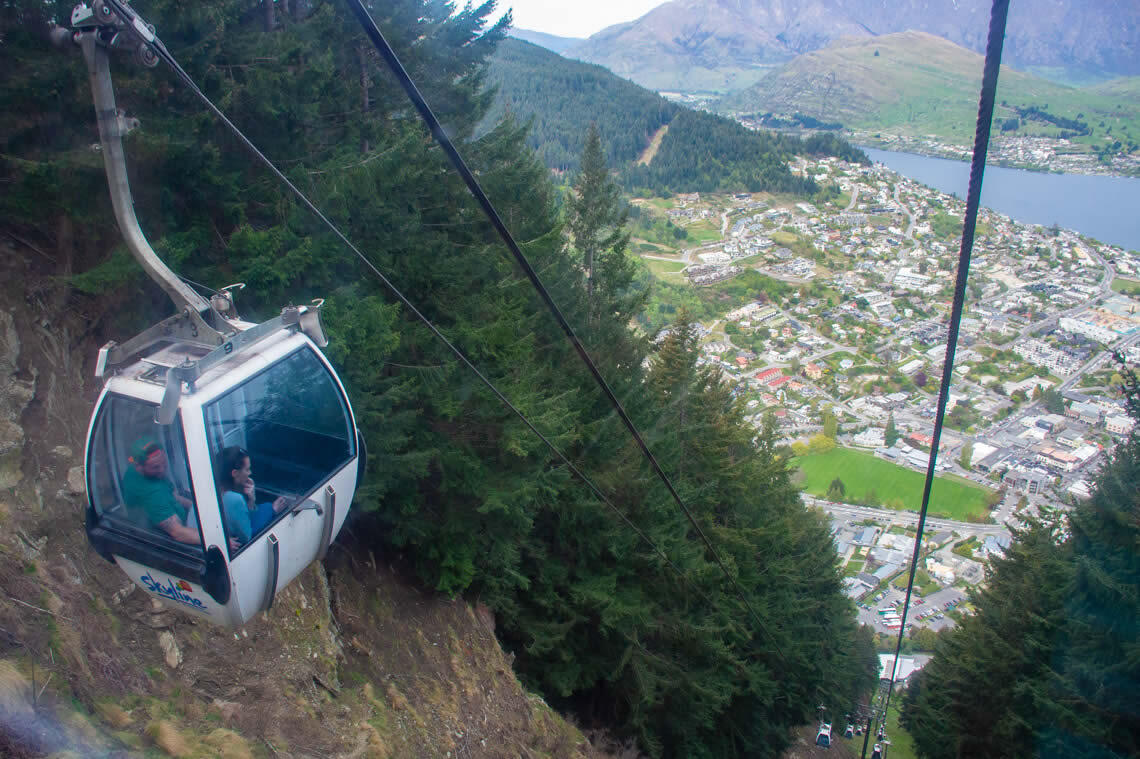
(285, 427)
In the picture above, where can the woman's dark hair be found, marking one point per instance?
(230, 459)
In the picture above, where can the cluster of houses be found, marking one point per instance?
(1029, 457)
(1058, 360)
(1038, 153)
(707, 274)
(797, 268)
(886, 554)
(1051, 446)
(894, 301)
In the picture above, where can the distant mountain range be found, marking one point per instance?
(724, 45)
(919, 84)
(548, 41)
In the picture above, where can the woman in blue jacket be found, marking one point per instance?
(243, 515)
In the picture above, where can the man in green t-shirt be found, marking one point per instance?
(150, 496)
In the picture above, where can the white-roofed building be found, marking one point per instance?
(872, 437)
(1119, 424)
(907, 666)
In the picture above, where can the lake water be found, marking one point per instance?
(1107, 208)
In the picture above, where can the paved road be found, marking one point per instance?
(851, 512)
(909, 233)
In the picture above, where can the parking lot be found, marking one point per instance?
(935, 602)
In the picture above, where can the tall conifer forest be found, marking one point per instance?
(699, 152)
(457, 487)
(1049, 666)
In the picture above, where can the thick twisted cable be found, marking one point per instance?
(994, 45)
(389, 55)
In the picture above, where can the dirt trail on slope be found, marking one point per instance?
(654, 145)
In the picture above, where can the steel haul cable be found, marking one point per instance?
(389, 55)
(998, 14)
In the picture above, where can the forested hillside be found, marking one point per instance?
(1050, 664)
(706, 153)
(560, 98)
(457, 486)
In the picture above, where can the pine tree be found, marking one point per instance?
(967, 456)
(1053, 401)
(891, 435)
(984, 691)
(830, 423)
(597, 218)
(1098, 676)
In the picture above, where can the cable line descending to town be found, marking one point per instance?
(440, 135)
(998, 14)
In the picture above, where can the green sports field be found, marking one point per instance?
(894, 486)
(661, 268)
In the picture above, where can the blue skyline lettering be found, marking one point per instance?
(172, 592)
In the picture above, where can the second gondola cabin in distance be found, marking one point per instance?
(222, 455)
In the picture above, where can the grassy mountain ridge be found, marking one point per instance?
(1125, 87)
(919, 84)
(717, 45)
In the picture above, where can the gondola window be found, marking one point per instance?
(292, 421)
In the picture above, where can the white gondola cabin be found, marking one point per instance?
(280, 402)
(198, 388)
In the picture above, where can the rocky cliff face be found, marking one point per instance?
(352, 661)
(669, 42)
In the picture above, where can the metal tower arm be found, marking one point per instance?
(112, 127)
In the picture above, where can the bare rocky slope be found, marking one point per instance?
(352, 661)
(728, 44)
